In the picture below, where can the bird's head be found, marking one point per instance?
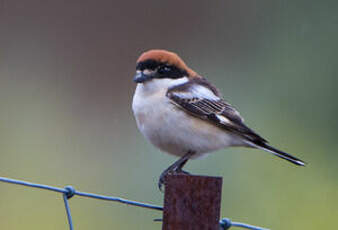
(161, 64)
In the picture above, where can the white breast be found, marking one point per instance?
(171, 129)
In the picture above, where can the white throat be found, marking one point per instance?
(155, 86)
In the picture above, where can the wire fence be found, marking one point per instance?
(69, 192)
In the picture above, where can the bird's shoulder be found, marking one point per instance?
(200, 95)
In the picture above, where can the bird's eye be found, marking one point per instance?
(164, 69)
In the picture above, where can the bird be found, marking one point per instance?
(181, 113)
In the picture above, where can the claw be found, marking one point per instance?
(161, 180)
(160, 184)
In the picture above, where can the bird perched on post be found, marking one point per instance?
(181, 113)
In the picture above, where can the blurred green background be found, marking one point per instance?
(66, 88)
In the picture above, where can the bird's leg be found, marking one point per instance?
(179, 169)
(175, 168)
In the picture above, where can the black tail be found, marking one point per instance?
(281, 154)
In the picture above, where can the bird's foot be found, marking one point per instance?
(175, 168)
(170, 171)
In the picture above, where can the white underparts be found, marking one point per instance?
(170, 128)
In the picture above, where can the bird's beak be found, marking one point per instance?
(141, 77)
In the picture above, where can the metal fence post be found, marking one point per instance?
(192, 202)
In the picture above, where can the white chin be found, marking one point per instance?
(164, 83)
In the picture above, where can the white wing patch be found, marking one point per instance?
(223, 119)
(203, 92)
(197, 91)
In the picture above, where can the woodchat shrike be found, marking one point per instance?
(183, 114)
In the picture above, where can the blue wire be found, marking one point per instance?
(78, 193)
(68, 192)
(69, 216)
(227, 223)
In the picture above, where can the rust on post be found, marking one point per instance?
(192, 202)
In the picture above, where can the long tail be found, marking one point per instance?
(279, 153)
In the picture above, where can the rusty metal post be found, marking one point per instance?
(192, 202)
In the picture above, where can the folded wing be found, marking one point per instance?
(199, 98)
